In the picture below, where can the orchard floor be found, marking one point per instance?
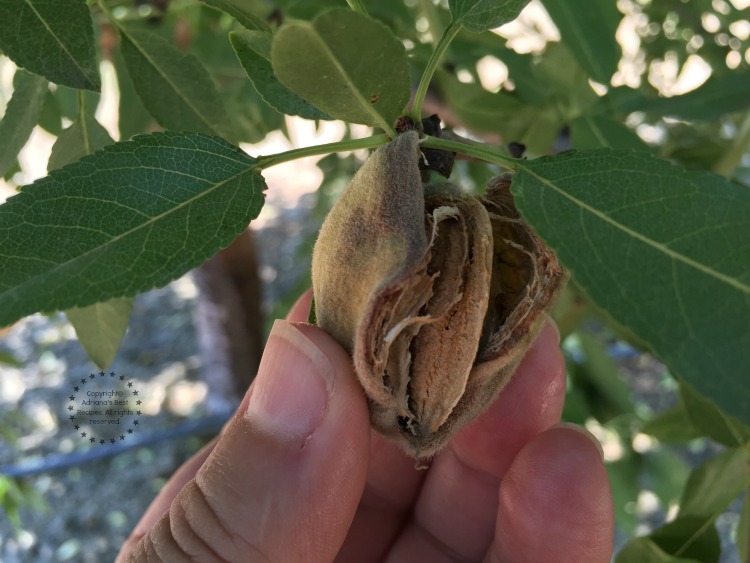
(83, 511)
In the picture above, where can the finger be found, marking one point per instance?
(392, 487)
(555, 503)
(163, 500)
(300, 311)
(284, 480)
(458, 502)
(531, 403)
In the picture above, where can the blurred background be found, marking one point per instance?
(192, 346)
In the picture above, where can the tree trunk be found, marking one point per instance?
(229, 322)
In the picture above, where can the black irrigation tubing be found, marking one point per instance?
(56, 462)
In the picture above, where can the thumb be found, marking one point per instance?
(285, 479)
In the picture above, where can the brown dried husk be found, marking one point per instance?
(437, 299)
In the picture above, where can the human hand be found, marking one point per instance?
(297, 475)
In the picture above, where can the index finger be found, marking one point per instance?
(403, 509)
(459, 500)
(300, 311)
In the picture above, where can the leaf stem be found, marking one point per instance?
(339, 146)
(81, 105)
(445, 40)
(482, 151)
(728, 163)
(82, 120)
(358, 6)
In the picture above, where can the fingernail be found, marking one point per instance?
(583, 431)
(293, 386)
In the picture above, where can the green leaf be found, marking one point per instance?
(623, 100)
(672, 425)
(481, 110)
(577, 411)
(743, 530)
(240, 11)
(623, 479)
(710, 489)
(565, 80)
(588, 30)
(307, 9)
(14, 169)
(132, 117)
(174, 86)
(69, 99)
(690, 537)
(253, 117)
(570, 310)
(50, 119)
(254, 52)
(542, 131)
(667, 474)
(598, 378)
(711, 421)
(80, 139)
(601, 131)
(21, 115)
(480, 15)
(101, 326)
(54, 39)
(345, 64)
(128, 218)
(642, 550)
(521, 70)
(9, 359)
(718, 96)
(663, 250)
(715, 484)
(19, 494)
(501, 113)
(10, 500)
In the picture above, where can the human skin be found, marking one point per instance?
(298, 475)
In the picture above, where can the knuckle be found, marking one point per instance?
(203, 533)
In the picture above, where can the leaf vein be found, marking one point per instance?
(737, 284)
(169, 82)
(58, 41)
(352, 87)
(145, 225)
